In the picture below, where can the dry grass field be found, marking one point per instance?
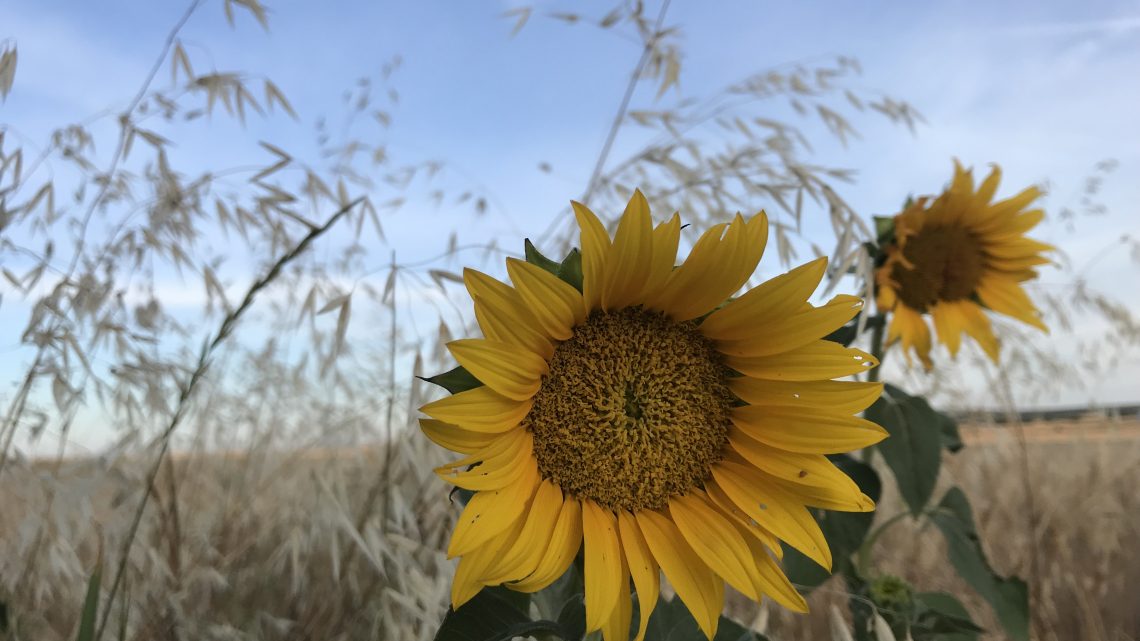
(310, 546)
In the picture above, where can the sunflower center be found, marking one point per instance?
(948, 263)
(635, 409)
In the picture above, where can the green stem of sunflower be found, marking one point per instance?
(877, 346)
(863, 556)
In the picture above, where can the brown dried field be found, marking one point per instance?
(308, 546)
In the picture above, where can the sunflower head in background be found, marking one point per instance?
(629, 411)
(955, 256)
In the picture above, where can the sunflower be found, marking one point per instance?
(955, 256)
(643, 419)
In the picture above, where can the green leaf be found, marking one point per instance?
(460, 495)
(844, 531)
(491, 616)
(672, 621)
(454, 381)
(535, 257)
(571, 269)
(91, 603)
(572, 618)
(1008, 596)
(942, 617)
(552, 600)
(844, 335)
(914, 449)
(3, 617)
(859, 604)
(847, 334)
(951, 439)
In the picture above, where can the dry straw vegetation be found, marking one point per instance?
(264, 482)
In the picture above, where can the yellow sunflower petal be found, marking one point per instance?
(554, 302)
(839, 397)
(800, 469)
(827, 498)
(1016, 203)
(795, 330)
(616, 627)
(1006, 296)
(951, 318)
(630, 255)
(727, 533)
(1016, 225)
(948, 323)
(815, 361)
(497, 294)
(1017, 265)
(453, 437)
(508, 369)
(565, 540)
(978, 327)
(682, 279)
(806, 431)
(747, 524)
(699, 588)
(474, 565)
(499, 324)
(1019, 247)
(603, 563)
(776, 298)
(645, 571)
(491, 512)
(908, 327)
(481, 410)
(522, 557)
(886, 298)
(988, 188)
(666, 237)
(774, 509)
(595, 244)
(773, 581)
(496, 466)
(715, 269)
(837, 493)
(717, 542)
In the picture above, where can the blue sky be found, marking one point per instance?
(1043, 88)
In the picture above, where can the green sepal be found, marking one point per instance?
(535, 257)
(454, 380)
(571, 269)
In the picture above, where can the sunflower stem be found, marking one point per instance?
(863, 556)
(877, 348)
